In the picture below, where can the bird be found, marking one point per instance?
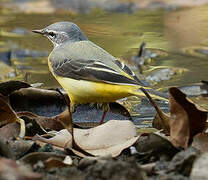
(87, 72)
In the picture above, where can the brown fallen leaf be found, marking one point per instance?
(51, 123)
(109, 138)
(8, 87)
(9, 169)
(7, 115)
(34, 157)
(162, 122)
(39, 101)
(49, 159)
(58, 162)
(200, 142)
(187, 119)
(11, 131)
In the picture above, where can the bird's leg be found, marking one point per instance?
(103, 116)
(106, 108)
(70, 124)
(67, 122)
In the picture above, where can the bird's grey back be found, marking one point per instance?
(87, 50)
(82, 50)
(78, 46)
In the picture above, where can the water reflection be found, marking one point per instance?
(186, 28)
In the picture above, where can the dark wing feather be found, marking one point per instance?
(90, 70)
(127, 70)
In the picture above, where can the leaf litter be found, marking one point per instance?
(7, 115)
(181, 135)
(99, 141)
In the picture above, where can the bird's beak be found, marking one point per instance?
(41, 31)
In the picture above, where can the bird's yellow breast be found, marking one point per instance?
(81, 91)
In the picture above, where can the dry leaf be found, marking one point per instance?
(54, 162)
(186, 119)
(107, 139)
(161, 121)
(45, 122)
(7, 115)
(12, 130)
(39, 101)
(34, 157)
(8, 87)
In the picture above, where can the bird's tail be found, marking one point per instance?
(153, 93)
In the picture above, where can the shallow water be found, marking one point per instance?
(174, 35)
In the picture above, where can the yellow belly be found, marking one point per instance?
(81, 91)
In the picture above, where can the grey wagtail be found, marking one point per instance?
(88, 73)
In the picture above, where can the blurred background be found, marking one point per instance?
(175, 33)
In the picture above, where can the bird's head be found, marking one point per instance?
(62, 32)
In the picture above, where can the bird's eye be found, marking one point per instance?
(52, 34)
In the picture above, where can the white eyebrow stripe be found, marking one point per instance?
(56, 32)
(49, 30)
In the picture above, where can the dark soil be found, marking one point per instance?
(155, 161)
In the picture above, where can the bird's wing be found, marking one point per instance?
(91, 70)
(127, 70)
